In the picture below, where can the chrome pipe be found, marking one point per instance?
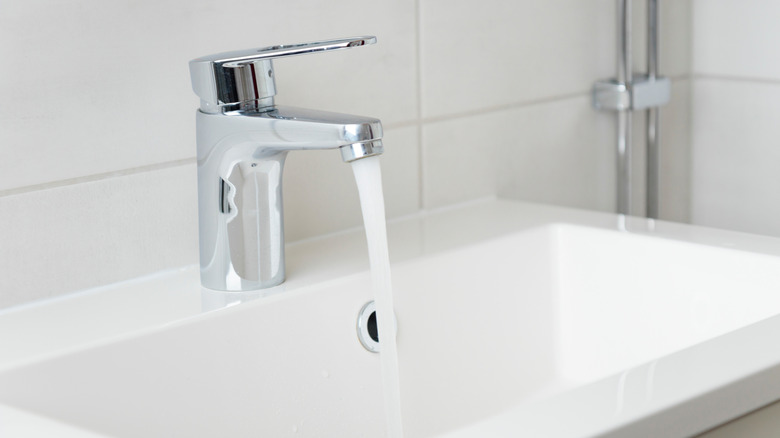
(653, 153)
(624, 61)
(624, 121)
(624, 77)
(629, 92)
(652, 39)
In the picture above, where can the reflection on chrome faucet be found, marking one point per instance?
(243, 139)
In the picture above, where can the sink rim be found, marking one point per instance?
(747, 380)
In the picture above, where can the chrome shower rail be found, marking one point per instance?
(629, 92)
(624, 76)
(653, 165)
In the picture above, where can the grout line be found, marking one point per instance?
(504, 107)
(421, 165)
(526, 103)
(757, 80)
(418, 55)
(680, 77)
(403, 124)
(418, 122)
(96, 177)
(421, 201)
(691, 10)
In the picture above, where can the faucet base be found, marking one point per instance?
(240, 161)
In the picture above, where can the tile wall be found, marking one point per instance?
(477, 99)
(735, 126)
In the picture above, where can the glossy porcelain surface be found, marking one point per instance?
(513, 320)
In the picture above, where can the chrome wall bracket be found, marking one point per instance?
(640, 94)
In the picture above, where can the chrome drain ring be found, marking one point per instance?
(367, 327)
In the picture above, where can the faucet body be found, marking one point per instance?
(240, 164)
(242, 141)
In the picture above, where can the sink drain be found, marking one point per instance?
(368, 329)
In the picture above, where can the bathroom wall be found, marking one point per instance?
(477, 99)
(564, 152)
(735, 177)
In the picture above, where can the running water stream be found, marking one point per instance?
(368, 176)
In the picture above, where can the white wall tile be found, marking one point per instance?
(94, 87)
(735, 163)
(674, 45)
(736, 38)
(735, 155)
(560, 152)
(523, 153)
(84, 235)
(459, 159)
(675, 141)
(320, 195)
(496, 52)
(675, 37)
(573, 167)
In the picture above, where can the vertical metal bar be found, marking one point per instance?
(653, 155)
(624, 76)
(652, 39)
(624, 41)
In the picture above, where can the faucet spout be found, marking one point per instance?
(241, 157)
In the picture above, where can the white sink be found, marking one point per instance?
(513, 320)
(545, 311)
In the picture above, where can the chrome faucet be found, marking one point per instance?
(243, 139)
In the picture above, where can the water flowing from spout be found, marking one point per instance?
(368, 176)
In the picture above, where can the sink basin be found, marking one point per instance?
(539, 321)
(548, 310)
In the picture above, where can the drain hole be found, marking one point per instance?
(367, 328)
(373, 331)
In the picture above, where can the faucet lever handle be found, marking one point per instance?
(244, 78)
(242, 57)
